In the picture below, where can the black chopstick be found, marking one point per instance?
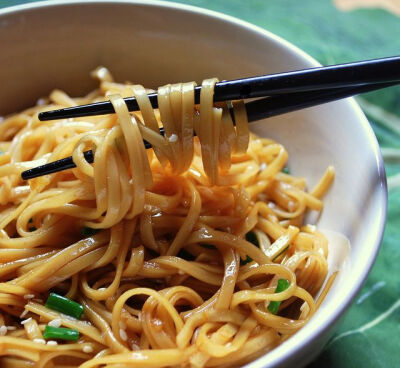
(321, 78)
(277, 105)
(256, 110)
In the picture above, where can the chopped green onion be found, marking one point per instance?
(32, 228)
(279, 254)
(184, 254)
(60, 333)
(64, 305)
(285, 170)
(208, 246)
(88, 231)
(252, 238)
(278, 247)
(245, 261)
(282, 286)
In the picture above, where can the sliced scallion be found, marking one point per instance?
(252, 238)
(282, 286)
(64, 305)
(245, 261)
(88, 231)
(60, 333)
(184, 254)
(278, 246)
(31, 228)
(279, 254)
(286, 170)
(208, 246)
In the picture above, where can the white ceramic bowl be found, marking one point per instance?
(56, 44)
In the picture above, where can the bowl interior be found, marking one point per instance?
(56, 45)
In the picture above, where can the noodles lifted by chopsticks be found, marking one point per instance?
(193, 253)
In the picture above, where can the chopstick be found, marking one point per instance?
(278, 105)
(256, 110)
(321, 78)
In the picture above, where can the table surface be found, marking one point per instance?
(369, 334)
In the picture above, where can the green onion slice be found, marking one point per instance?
(282, 286)
(286, 170)
(278, 247)
(64, 305)
(245, 261)
(184, 254)
(88, 231)
(208, 246)
(251, 237)
(60, 333)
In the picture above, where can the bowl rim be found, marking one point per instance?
(303, 337)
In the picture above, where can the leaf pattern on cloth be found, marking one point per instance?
(348, 5)
(362, 329)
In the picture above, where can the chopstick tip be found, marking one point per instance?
(25, 175)
(45, 116)
(41, 116)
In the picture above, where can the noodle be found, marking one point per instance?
(175, 253)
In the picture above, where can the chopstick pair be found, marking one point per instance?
(289, 91)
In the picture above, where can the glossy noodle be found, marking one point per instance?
(190, 254)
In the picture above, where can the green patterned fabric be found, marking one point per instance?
(368, 336)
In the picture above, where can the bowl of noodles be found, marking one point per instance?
(241, 246)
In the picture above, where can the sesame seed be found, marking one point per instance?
(123, 335)
(26, 320)
(55, 322)
(29, 296)
(52, 343)
(101, 289)
(3, 330)
(122, 325)
(263, 166)
(11, 328)
(173, 138)
(87, 349)
(40, 341)
(24, 313)
(135, 346)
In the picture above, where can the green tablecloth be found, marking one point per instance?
(369, 334)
